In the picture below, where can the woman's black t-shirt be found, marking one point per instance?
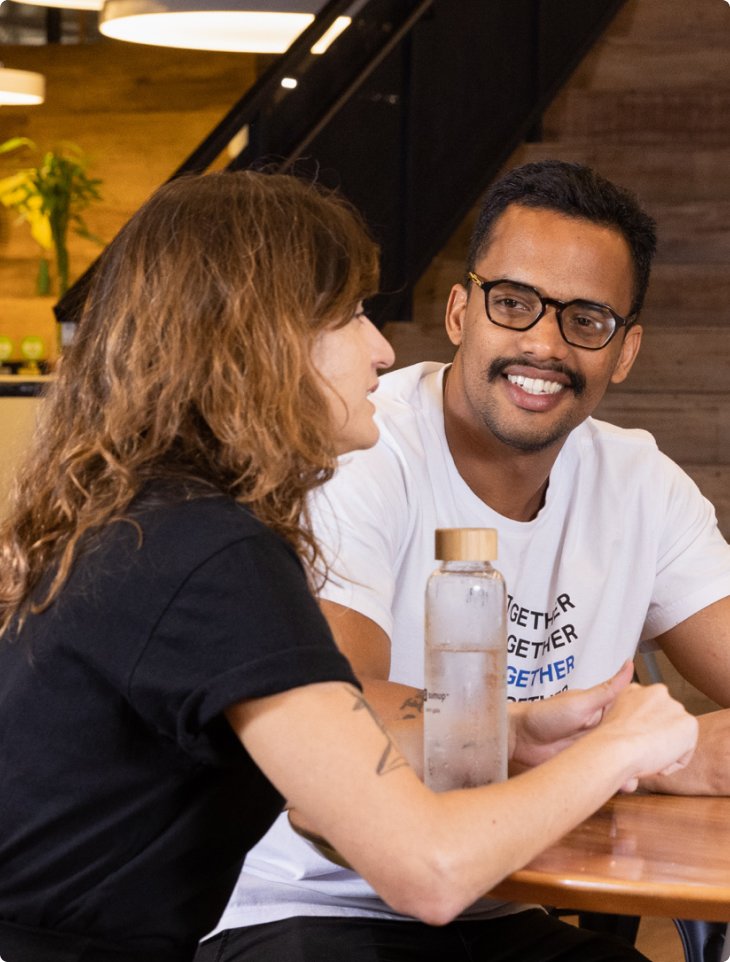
(127, 803)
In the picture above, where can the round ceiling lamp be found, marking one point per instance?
(259, 26)
(66, 4)
(21, 87)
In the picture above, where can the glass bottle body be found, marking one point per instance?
(465, 709)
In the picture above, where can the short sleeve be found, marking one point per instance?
(693, 561)
(243, 625)
(361, 520)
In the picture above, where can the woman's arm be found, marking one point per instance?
(431, 855)
(538, 729)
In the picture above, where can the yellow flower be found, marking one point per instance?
(17, 192)
(14, 188)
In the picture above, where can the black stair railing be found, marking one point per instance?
(324, 83)
(410, 113)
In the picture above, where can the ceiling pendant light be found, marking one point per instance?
(66, 4)
(21, 87)
(260, 26)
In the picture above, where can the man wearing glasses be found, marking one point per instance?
(603, 542)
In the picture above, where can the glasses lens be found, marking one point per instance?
(587, 325)
(513, 305)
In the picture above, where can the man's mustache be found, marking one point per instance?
(499, 365)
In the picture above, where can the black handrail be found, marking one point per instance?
(244, 111)
(395, 36)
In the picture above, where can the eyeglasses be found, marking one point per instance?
(519, 307)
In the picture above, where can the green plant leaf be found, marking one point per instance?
(53, 195)
(14, 143)
(43, 279)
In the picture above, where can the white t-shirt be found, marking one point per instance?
(624, 549)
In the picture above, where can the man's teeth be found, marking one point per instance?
(535, 385)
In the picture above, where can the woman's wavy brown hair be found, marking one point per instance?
(192, 361)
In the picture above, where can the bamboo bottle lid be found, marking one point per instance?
(466, 544)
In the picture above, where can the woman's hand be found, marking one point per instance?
(538, 730)
(653, 727)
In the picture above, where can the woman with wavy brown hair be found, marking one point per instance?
(165, 379)
(166, 677)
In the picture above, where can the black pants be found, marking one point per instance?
(19, 943)
(530, 936)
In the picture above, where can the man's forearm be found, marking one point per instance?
(708, 773)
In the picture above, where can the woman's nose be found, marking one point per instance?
(382, 352)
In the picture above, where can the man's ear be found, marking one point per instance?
(455, 313)
(629, 350)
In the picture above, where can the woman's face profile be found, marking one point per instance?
(348, 358)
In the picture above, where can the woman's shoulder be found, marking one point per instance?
(176, 529)
(205, 518)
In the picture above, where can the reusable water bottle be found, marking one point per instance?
(465, 708)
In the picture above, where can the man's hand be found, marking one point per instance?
(539, 730)
(708, 773)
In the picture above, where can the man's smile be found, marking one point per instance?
(535, 385)
(534, 379)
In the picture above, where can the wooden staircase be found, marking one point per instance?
(650, 108)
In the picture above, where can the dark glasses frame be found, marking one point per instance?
(546, 302)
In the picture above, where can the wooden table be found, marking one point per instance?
(658, 855)
(655, 855)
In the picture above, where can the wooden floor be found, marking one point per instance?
(659, 941)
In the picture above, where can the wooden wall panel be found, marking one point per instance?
(672, 63)
(689, 360)
(693, 230)
(643, 117)
(416, 342)
(671, 19)
(668, 173)
(689, 428)
(689, 295)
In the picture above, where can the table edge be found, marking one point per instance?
(624, 897)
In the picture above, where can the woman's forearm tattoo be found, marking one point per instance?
(391, 758)
(412, 707)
